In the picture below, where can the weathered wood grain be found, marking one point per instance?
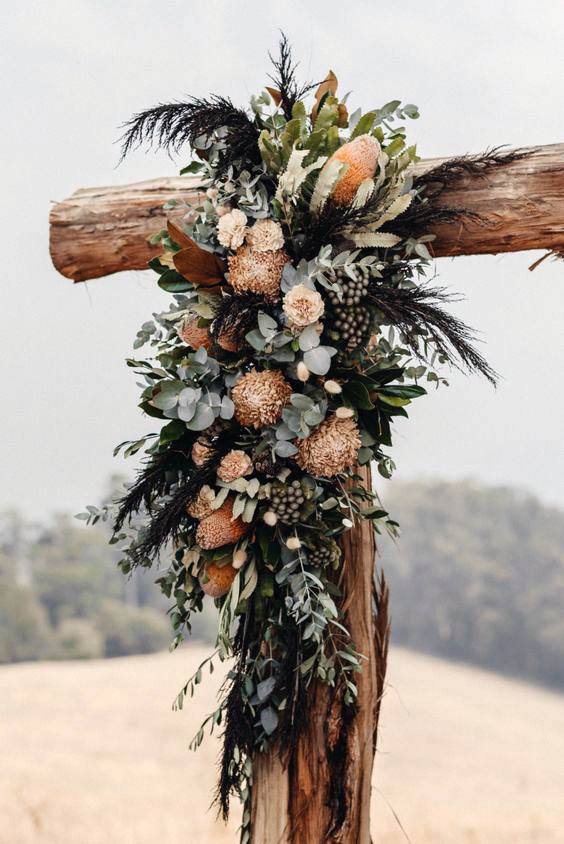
(100, 231)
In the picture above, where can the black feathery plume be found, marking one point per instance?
(414, 310)
(155, 479)
(167, 521)
(285, 78)
(171, 125)
(235, 314)
(430, 186)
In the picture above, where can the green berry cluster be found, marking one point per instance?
(287, 501)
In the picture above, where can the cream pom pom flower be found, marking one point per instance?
(266, 236)
(232, 228)
(302, 306)
(235, 464)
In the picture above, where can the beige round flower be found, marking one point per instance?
(232, 228)
(257, 272)
(302, 306)
(202, 505)
(259, 397)
(330, 449)
(266, 236)
(235, 464)
(201, 451)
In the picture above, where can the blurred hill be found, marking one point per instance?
(478, 575)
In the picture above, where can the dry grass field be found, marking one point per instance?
(91, 753)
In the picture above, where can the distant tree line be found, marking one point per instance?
(478, 575)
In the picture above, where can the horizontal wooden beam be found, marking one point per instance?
(99, 231)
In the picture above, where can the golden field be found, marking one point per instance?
(91, 753)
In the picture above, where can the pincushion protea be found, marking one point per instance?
(330, 449)
(220, 528)
(361, 156)
(258, 272)
(259, 397)
(218, 579)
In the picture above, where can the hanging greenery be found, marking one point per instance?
(300, 327)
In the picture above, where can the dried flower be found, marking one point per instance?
(227, 341)
(259, 397)
(234, 465)
(344, 413)
(270, 518)
(333, 387)
(258, 272)
(232, 228)
(222, 210)
(293, 543)
(266, 236)
(239, 558)
(217, 579)
(194, 336)
(302, 306)
(361, 156)
(202, 505)
(201, 451)
(220, 528)
(302, 371)
(330, 449)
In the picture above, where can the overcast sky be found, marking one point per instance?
(482, 74)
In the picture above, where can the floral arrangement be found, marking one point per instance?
(300, 326)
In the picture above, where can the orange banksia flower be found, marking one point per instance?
(218, 579)
(361, 156)
(219, 528)
(194, 336)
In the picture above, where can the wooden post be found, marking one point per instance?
(321, 795)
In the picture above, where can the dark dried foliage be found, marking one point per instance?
(236, 314)
(284, 77)
(414, 310)
(171, 125)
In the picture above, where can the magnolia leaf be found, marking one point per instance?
(199, 266)
(178, 236)
(325, 184)
(275, 94)
(394, 210)
(367, 240)
(328, 86)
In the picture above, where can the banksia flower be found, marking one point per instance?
(220, 528)
(194, 336)
(227, 341)
(202, 505)
(234, 465)
(258, 272)
(218, 579)
(361, 156)
(259, 397)
(330, 449)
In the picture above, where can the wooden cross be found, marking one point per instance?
(324, 797)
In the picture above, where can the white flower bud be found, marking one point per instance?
(293, 543)
(333, 387)
(344, 412)
(270, 518)
(239, 559)
(303, 371)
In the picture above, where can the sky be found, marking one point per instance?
(482, 74)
